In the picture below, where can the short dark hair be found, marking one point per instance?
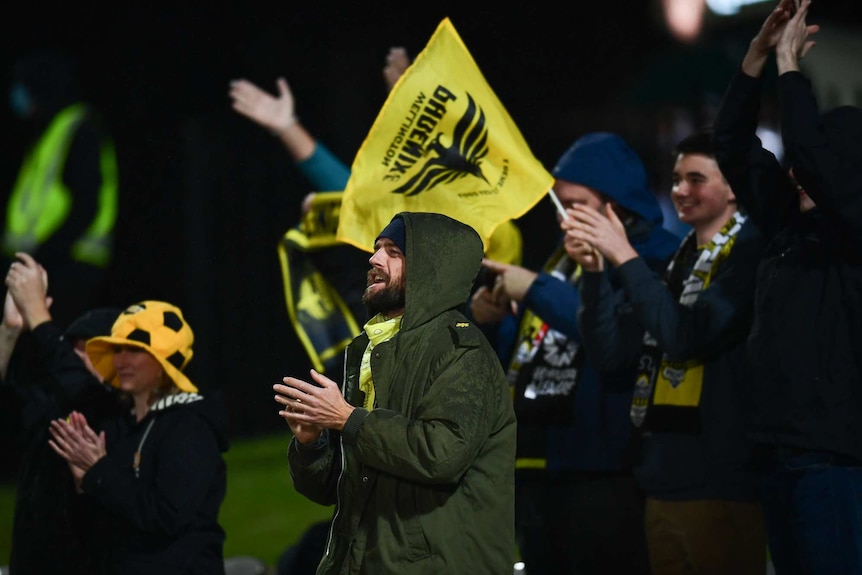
(699, 142)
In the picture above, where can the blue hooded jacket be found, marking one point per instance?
(599, 437)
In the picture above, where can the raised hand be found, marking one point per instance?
(273, 113)
(795, 41)
(607, 235)
(397, 63)
(767, 38)
(27, 281)
(11, 316)
(769, 33)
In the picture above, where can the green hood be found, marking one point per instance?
(441, 261)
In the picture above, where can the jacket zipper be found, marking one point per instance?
(341, 473)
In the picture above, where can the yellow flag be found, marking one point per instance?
(442, 143)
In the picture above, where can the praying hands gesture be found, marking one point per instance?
(77, 443)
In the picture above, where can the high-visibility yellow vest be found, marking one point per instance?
(40, 201)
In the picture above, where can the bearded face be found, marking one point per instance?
(383, 294)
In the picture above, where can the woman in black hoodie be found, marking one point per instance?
(157, 471)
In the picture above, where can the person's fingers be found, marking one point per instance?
(57, 449)
(90, 435)
(237, 89)
(613, 217)
(60, 438)
(282, 393)
(283, 87)
(480, 293)
(280, 399)
(584, 214)
(321, 379)
(573, 236)
(499, 290)
(494, 266)
(26, 258)
(75, 418)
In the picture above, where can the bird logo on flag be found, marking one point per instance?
(463, 157)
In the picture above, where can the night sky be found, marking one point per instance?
(206, 194)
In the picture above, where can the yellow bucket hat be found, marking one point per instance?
(155, 326)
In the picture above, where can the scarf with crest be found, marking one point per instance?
(667, 392)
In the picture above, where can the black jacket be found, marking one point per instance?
(49, 381)
(713, 460)
(164, 516)
(806, 341)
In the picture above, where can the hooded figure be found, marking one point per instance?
(805, 344)
(422, 474)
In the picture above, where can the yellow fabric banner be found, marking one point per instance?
(442, 143)
(322, 320)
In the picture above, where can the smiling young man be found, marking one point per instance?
(701, 196)
(685, 331)
(417, 450)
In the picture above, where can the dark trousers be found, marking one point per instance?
(580, 523)
(705, 537)
(812, 502)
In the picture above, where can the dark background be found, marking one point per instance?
(207, 194)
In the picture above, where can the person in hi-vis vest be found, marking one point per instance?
(62, 207)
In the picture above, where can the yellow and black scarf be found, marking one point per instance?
(545, 364)
(667, 392)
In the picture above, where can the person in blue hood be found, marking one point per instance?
(579, 509)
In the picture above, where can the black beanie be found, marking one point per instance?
(395, 231)
(94, 323)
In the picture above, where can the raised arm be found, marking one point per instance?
(761, 185)
(766, 39)
(275, 113)
(718, 318)
(26, 304)
(822, 147)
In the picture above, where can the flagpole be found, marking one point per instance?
(560, 209)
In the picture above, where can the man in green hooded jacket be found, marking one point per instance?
(417, 450)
